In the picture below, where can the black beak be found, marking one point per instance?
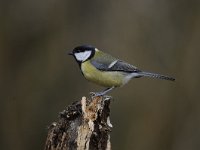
(70, 53)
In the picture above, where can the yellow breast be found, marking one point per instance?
(103, 78)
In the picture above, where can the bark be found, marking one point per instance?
(84, 125)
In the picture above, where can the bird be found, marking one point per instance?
(107, 71)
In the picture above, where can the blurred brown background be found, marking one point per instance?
(38, 79)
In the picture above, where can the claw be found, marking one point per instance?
(92, 94)
(96, 94)
(99, 94)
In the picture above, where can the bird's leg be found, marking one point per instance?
(106, 90)
(102, 93)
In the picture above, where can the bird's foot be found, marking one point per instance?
(96, 94)
(100, 94)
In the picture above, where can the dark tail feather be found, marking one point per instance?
(154, 75)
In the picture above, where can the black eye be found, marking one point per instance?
(80, 50)
(83, 48)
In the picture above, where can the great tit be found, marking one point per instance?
(106, 70)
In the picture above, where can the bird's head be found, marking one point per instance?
(83, 53)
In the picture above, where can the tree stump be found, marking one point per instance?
(84, 125)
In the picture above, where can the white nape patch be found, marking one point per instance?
(96, 49)
(82, 56)
(112, 64)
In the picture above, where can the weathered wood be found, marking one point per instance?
(84, 125)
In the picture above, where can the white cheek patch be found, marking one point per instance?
(82, 56)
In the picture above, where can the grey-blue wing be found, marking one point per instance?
(99, 65)
(117, 65)
(124, 67)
